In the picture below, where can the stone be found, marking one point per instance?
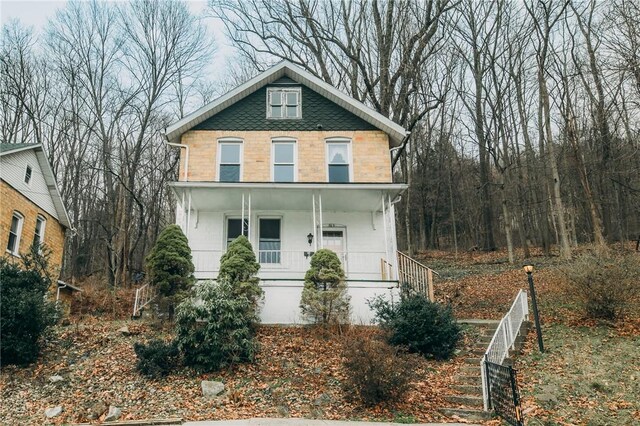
(113, 414)
(97, 409)
(124, 331)
(211, 388)
(53, 411)
(547, 397)
(322, 400)
(56, 379)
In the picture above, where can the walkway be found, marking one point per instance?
(307, 422)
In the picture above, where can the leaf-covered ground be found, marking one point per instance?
(298, 373)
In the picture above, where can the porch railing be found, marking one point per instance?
(416, 275)
(144, 296)
(504, 338)
(369, 263)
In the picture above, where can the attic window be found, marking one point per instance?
(284, 103)
(27, 175)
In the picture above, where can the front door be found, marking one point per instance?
(334, 240)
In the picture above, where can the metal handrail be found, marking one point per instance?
(504, 338)
(418, 276)
(144, 296)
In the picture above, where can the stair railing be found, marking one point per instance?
(144, 296)
(416, 275)
(504, 339)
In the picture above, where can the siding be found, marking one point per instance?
(12, 170)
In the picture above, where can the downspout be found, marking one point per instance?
(186, 158)
(400, 148)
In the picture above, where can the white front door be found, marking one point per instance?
(334, 240)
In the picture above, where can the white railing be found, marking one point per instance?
(207, 262)
(144, 296)
(416, 275)
(504, 338)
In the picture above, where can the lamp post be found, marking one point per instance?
(528, 268)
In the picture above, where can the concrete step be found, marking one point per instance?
(475, 390)
(468, 400)
(470, 370)
(472, 361)
(471, 415)
(478, 351)
(468, 379)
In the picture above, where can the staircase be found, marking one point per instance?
(467, 402)
(415, 275)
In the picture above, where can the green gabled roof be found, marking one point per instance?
(8, 147)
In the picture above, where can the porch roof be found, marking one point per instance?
(225, 196)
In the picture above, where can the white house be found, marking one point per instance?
(295, 165)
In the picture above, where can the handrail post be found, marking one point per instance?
(485, 384)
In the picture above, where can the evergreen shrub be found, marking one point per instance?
(324, 298)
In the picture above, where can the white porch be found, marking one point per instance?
(354, 220)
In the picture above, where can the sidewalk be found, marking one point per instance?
(307, 422)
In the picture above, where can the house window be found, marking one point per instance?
(284, 165)
(230, 154)
(14, 233)
(235, 228)
(27, 175)
(270, 242)
(38, 236)
(284, 103)
(338, 161)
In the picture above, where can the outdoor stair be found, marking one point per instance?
(468, 403)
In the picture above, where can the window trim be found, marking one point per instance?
(229, 141)
(43, 228)
(29, 169)
(284, 140)
(225, 236)
(16, 249)
(271, 265)
(284, 90)
(339, 140)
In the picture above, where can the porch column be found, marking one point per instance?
(188, 216)
(384, 227)
(394, 240)
(242, 217)
(320, 211)
(315, 223)
(249, 219)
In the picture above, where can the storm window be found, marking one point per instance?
(230, 154)
(338, 161)
(284, 161)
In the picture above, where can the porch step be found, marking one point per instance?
(469, 389)
(468, 400)
(468, 414)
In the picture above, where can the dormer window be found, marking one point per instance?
(27, 175)
(284, 103)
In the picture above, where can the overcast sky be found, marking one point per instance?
(36, 13)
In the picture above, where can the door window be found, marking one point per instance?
(270, 242)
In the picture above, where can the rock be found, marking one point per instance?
(113, 414)
(97, 409)
(56, 379)
(211, 389)
(547, 397)
(53, 412)
(322, 400)
(124, 331)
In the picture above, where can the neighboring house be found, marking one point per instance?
(31, 209)
(295, 165)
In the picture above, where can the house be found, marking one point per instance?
(31, 208)
(295, 165)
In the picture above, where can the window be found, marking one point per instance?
(234, 229)
(14, 233)
(284, 103)
(38, 236)
(230, 161)
(284, 163)
(338, 161)
(27, 175)
(270, 243)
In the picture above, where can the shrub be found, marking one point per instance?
(169, 265)
(25, 315)
(376, 371)
(216, 327)
(239, 267)
(157, 358)
(324, 297)
(422, 326)
(603, 285)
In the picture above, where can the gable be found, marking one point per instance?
(250, 113)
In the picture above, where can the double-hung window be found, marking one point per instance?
(235, 228)
(284, 161)
(284, 103)
(338, 161)
(270, 242)
(13, 245)
(230, 163)
(38, 236)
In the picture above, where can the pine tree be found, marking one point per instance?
(238, 267)
(324, 297)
